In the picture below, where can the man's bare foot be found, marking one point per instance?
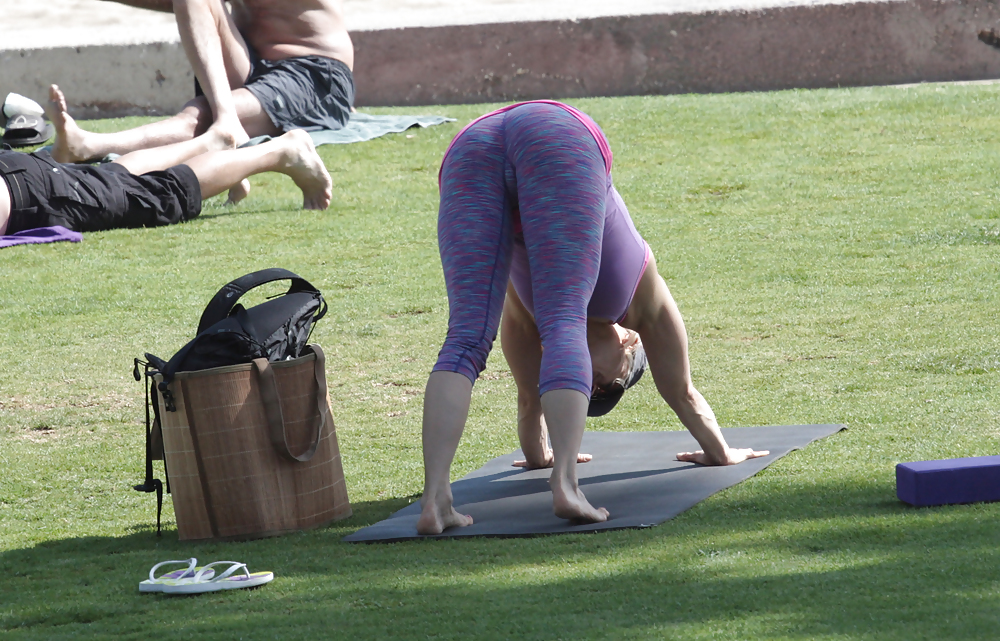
(71, 141)
(569, 503)
(437, 516)
(218, 138)
(238, 192)
(233, 129)
(306, 168)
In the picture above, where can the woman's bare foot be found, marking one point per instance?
(71, 141)
(568, 502)
(437, 516)
(238, 192)
(306, 168)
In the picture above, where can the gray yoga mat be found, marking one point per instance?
(635, 475)
(362, 127)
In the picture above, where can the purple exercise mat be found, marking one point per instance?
(40, 236)
(635, 475)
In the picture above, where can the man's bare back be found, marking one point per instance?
(280, 29)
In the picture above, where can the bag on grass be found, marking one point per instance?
(222, 385)
(252, 449)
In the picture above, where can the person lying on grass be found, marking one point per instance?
(527, 199)
(152, 187)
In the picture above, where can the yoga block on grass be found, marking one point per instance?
(960, 480)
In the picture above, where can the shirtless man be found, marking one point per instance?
(149, 187)
(266, 67)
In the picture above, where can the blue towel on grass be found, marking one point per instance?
(362, 127)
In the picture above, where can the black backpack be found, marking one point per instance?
(230, 334)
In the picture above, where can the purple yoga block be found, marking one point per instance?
(959, 480)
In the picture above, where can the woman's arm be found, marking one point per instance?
(522, 347)
(654, 314)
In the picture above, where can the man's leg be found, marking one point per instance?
(4, 206)
(159, 158)
(74, 144)
(219, 168)
(292, 154)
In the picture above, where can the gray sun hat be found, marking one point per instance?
(26, 130)
(603, 400)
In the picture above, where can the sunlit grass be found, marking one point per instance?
(835, 254)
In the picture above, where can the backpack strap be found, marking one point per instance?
(150, 484)
(224, 301)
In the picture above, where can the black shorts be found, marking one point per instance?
(312, 93)
(84, 198)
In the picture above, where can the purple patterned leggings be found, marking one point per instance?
(540, 161)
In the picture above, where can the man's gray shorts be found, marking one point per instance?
(311, 92)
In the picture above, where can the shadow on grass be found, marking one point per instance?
(816, 559)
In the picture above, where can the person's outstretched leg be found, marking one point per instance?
(475, 238)
(160, 158)
(561, 187)
(292, 154)
(221, 62)
(73, 144)
(4, 206)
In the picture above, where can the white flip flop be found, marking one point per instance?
(155, 583)
(228, 580)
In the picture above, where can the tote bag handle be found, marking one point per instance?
(272, 405)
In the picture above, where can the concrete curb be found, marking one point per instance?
(802, 46)
(808, 47)
(103, 81)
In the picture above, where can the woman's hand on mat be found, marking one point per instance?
(735, 456)
(580, 458)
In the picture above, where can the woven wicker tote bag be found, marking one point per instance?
(251, 450)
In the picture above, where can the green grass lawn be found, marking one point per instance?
(835, 254)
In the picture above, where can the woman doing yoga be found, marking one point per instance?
(527, 198)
